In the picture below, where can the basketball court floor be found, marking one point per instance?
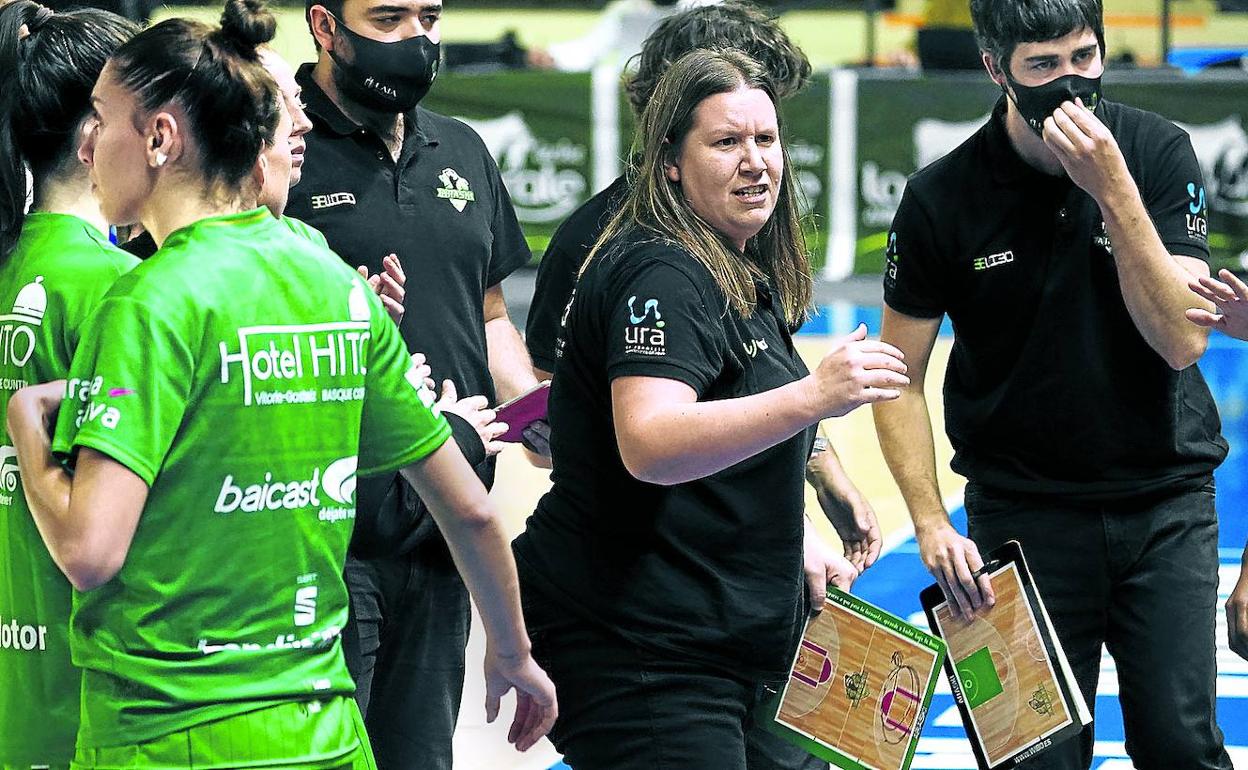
(896, 579)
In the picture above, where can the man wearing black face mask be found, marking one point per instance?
(392, 177)
(1060, 240)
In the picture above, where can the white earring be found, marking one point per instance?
(160, 159)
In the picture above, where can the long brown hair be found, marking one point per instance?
(658, 206)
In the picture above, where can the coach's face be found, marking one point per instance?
(386, 21)
(1076, 53)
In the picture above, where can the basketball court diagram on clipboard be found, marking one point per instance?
(1011, 682)
(859, 686)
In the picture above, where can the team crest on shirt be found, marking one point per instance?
(455, 189)
(644, 334)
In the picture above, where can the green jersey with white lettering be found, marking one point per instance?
(234, 372)
(49, 283)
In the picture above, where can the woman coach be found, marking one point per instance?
(662, 574)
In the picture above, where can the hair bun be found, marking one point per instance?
(247, 24)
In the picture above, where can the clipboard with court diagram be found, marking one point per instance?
(1010, 678)
(859, 687)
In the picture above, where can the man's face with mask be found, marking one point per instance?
(385, 52)
(1043, 75)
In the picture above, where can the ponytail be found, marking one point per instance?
(54, 60)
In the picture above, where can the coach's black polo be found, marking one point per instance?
(710, 568)
(442, 208)
(1050, 388)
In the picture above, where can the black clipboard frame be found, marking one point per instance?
(933, 597)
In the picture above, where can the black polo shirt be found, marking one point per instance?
(710, 569)
(1050, 388)
(556, 273)
(442, 208)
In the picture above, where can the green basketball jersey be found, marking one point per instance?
(49, 283)
(234, 371)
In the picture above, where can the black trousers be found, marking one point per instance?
(1141, 579)
(625, 708)
(404, 643)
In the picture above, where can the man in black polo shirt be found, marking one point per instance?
(1060, 239)
(392, 177)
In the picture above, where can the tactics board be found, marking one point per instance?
(1005, 669)
(859, 687)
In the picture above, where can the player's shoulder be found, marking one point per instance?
(305, 230)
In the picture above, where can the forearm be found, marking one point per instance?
(904, 428)
(1154, 284)
(825, 473)
(677, 442)
(45, 483)
(510, 366)
(469, 523)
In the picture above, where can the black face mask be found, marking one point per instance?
(386, 77)
(1036, 103)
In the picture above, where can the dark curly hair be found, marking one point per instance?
(733, 24)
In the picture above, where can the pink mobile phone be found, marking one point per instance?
(523, 410)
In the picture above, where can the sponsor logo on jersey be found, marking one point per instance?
(644, 336)
(8, 474)
(332, 199)
(91, 410)
(17, 336)
(753, 347)
(1197, 216)
(993, 260)
(286, 356)
(336, 482)
(23, 637)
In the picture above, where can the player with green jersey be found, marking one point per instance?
(213, 416)
(55, 264)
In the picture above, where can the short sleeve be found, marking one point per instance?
(914, 280)
(128, 388)
(306, 231)
(556, 278)
(95, 281)
(661, 323)
(509, 250)
(397, 427)
(1174, 195)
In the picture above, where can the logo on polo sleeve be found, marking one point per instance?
(1197, 212)
(644, 334)
(455, 189)
(891, 257)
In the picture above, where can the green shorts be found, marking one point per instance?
(309, 735)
